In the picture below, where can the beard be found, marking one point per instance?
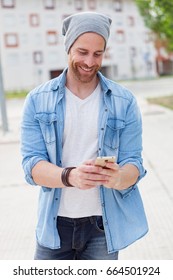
(83, 73)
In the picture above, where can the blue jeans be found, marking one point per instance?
(81, 239)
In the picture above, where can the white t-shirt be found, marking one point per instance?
(80, 143)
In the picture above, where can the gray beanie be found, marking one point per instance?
(77, 24)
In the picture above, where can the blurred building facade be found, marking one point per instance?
(32, 49)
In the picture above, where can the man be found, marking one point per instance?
(85, 211)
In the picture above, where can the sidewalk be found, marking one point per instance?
(18, 201)
(156, 187)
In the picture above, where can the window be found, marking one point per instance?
(130, 21)
(79, 4)
(38, 57)
(11, 40)
(54, 73)
(117, 5)
(52, 38)
(120, 36)
(8, 3)
(49, 4)
(133, 52)
(91, 4)
(34, 20)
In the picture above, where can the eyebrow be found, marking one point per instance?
(85, 50)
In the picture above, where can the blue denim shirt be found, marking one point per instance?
(120, 130)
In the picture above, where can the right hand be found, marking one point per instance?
(87, 176)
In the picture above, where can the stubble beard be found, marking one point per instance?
(82, 77)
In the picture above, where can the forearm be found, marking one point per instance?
(129, 175)
(47, 174)
(120, 178)
(84, 176)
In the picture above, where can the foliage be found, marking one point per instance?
(165, 101)
(16, 94)
(158, 16)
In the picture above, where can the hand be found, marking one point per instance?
(120, 178)
(87, 176)
(113, 174)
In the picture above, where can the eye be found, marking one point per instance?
(82, 52)
(98, 54)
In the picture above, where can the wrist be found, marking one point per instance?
(65, 176)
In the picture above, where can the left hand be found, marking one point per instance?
(114, 176)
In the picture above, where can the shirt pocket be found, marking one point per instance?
(47, 122)
(112, 132)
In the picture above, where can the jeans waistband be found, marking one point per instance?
(90, 219)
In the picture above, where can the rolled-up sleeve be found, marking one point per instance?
(33, 148)
(130, 149)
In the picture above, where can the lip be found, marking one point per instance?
(87, 70)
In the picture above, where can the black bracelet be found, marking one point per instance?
(65, 176)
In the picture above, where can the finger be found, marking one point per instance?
(90, 185)
(94, 182)
(86, 187)
(90, 169)
(89, 162)
(94, 177)
(86, 178)
(113, 166)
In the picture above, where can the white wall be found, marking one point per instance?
(19, 69)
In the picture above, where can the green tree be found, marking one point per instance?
(158, 16)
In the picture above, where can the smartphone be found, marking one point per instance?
(101, 161)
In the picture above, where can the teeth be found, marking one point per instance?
(86, 69)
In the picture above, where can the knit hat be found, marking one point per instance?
(77, 24)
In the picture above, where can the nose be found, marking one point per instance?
(89, 61)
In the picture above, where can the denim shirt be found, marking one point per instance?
(119, 134)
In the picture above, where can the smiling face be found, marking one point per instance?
(85, 57)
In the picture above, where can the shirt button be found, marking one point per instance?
(103, 205)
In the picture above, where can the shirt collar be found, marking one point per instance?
(60, 81)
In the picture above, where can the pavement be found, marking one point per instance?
(18, 201)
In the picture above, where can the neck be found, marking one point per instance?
(79, 88)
